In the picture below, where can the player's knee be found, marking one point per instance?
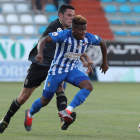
(86, 84)
(89, 87)
(45, 101)
(60, 89)
(24, 95)
(22, 99)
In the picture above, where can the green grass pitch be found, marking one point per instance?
(111, 112)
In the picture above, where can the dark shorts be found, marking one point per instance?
(36, 75)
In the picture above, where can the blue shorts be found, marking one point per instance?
(52, 82)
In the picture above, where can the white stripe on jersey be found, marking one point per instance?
(64, 59)
(58, 58)
(68, 50)
(79, 51)
(74, 48)
(57, 44)
(45, 82)
(86, 40)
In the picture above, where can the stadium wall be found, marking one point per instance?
(123, 60)
(14, 59)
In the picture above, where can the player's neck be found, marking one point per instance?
(75, 36)
(65, 27)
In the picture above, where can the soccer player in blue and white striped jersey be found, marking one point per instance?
(70, 45)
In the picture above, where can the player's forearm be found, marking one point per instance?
(104, 50)
(82, 59)
(42, 43)
(87, 58)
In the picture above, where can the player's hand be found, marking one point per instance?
(104, 67)
(89, 68)
(39, 58)
(85, 64)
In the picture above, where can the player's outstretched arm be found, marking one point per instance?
(88, 60)
(83, 61)
(104, 66)
(86, 64)
(40, 46)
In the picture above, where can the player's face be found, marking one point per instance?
(67, 17)
(79, 33)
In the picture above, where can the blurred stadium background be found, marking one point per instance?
(112, 111)
(116, 21)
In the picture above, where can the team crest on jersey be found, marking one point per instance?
(78, 47)
(54, 34)
(59, 29)
(48, 84)
(84, 44)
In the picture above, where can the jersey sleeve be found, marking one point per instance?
(95, 39)
(59, 36)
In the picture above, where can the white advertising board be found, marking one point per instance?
(119, 74)
(13, 71)
(15, 50)
(14, 59)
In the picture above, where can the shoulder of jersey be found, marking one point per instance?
(56, 24)
(88, 34)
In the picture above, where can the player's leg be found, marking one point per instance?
(51, 84)
(86, 88)
(36, 107)
(61, 100)
(36, 75)
(15, 106)
(78, 79)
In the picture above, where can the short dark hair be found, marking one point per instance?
(78, 20)
(64, 7)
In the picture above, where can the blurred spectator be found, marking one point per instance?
(56, 3)
(67, 1)
(38, 5)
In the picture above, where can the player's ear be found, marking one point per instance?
(60, 15)
(73, 29)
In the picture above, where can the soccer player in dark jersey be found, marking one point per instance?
(38, 73)
(70, 44)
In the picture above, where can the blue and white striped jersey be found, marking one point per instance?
(68, 50)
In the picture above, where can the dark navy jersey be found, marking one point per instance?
(49, 49)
